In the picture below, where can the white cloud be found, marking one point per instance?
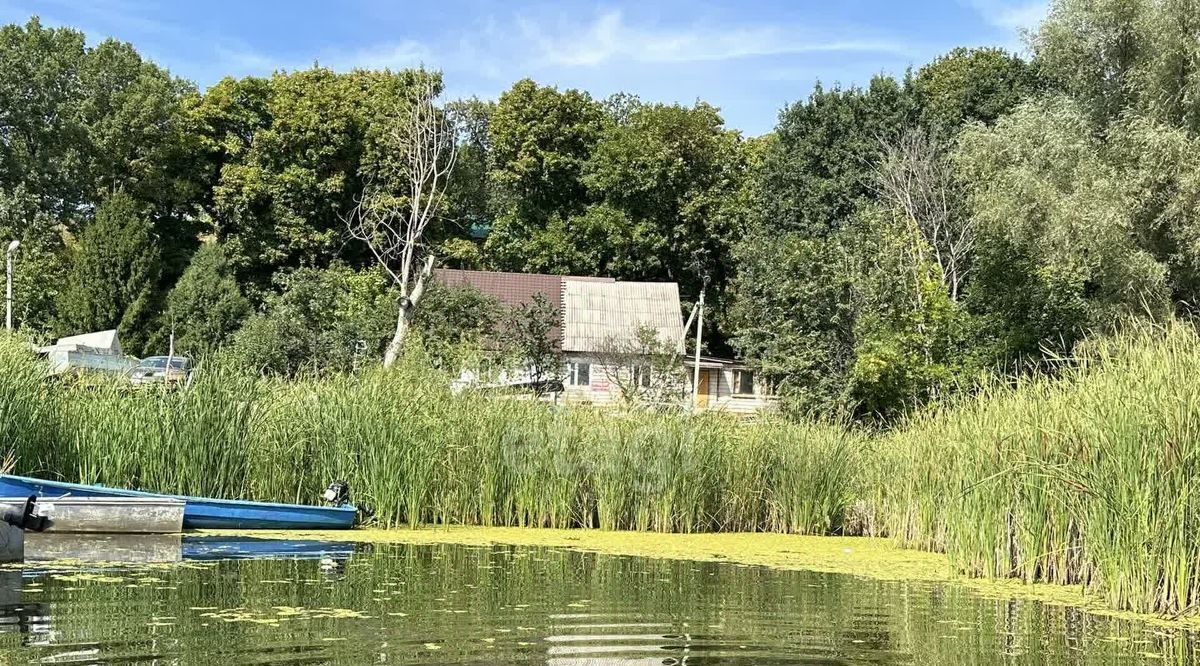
(495, 47)
(608, 37)
(696, 54)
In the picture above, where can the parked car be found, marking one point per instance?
(154, 369)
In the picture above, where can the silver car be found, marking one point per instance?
(154, 369)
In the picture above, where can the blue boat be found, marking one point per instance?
(201, 512)
(249, 548)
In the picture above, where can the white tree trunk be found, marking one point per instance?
(392, 226)
(408, 305)
(397, 343)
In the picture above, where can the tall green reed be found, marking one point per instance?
(416, 452)
(1088, 479)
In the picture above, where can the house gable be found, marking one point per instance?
(596, 313)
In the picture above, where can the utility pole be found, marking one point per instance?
(696, 369)
(12, 251)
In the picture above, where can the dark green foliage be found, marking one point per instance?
(971, 85)
(816, 170)
(207, 306)
(827, 302)
(40, 264)
(332, 319)
(113, 278)
(855, 324)
(541, 138)
(673, 172)
(632, 191)
(453, 317)
(138, 136)
(45, 145)
(791, 314)
(469, 196)
(79, 122)
(289, 155)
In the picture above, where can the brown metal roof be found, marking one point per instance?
(514, 289)
(511, 289)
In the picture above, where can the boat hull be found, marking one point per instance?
(107, 515)
(200, 512)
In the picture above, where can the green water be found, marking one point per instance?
(402, 604)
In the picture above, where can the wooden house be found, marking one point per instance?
(602, 325)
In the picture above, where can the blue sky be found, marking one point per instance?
(749, 58)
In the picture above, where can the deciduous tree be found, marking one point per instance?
(541, 138)
(646, 370)
(531, 332)
(290, 157)
(1057, 255)
(815, 172)
(914, 177)
(320, 320)
(971, 85)
(404, 194)
(206, 306)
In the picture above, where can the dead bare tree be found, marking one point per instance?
(404, 195)
(914, 176)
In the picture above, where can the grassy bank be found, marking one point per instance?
(1085, 480)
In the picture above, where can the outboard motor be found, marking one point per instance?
(23, 517)
(337, 494)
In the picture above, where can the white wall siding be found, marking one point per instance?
(601, 391)
(598, 391)
(721, 397)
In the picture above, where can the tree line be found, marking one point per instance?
(884, 245)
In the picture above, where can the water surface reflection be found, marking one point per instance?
(246, 601)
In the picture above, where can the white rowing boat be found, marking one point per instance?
(106, 515)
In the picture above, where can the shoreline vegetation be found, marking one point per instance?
(1084, 479)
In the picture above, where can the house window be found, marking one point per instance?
(579, 374)
(743, 382)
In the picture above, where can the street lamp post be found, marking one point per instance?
(12, 251)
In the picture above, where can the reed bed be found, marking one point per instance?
(1089, 479)
(415, 452)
